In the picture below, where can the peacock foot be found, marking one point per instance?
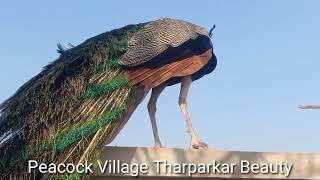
(196, 144)
(158, 145)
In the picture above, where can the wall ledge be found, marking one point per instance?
(304, 165)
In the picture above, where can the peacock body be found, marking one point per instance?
(80, 102)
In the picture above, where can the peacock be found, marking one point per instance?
(81, 101)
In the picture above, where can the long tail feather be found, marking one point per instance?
(68, 111)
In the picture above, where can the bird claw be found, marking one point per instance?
(158, 145)
(196, 144)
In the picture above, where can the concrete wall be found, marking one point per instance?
(305, 166)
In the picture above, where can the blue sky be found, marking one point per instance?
(268, 64)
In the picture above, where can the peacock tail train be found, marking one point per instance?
(66, 113)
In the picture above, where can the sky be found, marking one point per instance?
(268, 64)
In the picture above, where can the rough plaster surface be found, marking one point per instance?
(305, 165)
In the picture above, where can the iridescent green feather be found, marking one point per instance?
(59, 112)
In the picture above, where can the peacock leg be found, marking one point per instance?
(185, 85)
(152, 108)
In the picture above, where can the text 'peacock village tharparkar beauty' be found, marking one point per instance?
(163, 166)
